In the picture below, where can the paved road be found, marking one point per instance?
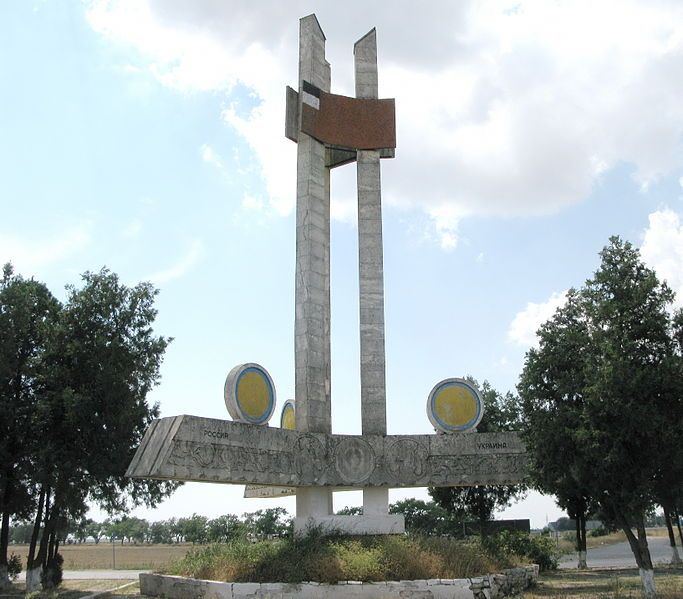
(620, 555)
(97, 574)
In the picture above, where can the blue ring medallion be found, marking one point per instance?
(455, 406)
(288, 415)
(250, 394)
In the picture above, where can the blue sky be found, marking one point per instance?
(147, 136)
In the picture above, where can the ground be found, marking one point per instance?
(605, 584)
(103, 555)
(596, 583)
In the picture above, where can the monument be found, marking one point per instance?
(303, 456)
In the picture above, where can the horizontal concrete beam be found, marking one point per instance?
(191, 448)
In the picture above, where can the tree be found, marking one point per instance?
(480, 502)
(552, 388)
(612, 406)
(194, 529)
(102, 360)
(271, 522)
(27, 314)
(426, 517)
(225, 528)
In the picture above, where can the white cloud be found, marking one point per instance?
(662, 249)
(250, 202)
(210, 156)
(31, 256)
(499, 111)
(524, 325)
(133, 229)
(193, 254)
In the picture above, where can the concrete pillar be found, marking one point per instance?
(312, 289)
(371, 272)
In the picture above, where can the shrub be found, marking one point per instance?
(600, 531)
(332, 558)
(537, 549)
(51, 577)
(13, 566)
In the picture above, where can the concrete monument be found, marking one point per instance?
(332, 130)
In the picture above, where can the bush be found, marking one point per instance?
(537, 549)
(600, 531)
(51, 577)
(332, 558)
(13, 566)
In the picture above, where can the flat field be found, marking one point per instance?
(591, 584)
(605, 584)
(89, 556)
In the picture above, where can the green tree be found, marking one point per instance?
(552, 390)
(480, 502)
(27, 314)
(271, 522)
(225, 528)
(102, 360)
(426, 517)
(614, 419)
(160, 532)
(194, 529)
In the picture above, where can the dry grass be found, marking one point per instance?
(89, 556)
(567, 539)
(605, 584)
(330, 559)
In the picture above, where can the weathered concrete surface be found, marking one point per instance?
(312, 288)
(365, 524)
(373, 393)
(312, 352)
(205, 449)
(493, 586)
(175, 587)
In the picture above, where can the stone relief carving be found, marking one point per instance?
(309, 461)
(354, 460)
(406, 459)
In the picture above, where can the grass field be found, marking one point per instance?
(605, 584)
(101, 556)
(591, 584)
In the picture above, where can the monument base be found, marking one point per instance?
(376, 524)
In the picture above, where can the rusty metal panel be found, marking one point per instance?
(354, 123)
(292, 115)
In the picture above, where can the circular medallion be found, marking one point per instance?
(288, 416)
(354, 459)
(250, 394)
(454, 405)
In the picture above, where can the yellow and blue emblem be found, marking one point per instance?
(250, 394)
(288, 416)
(455, 406)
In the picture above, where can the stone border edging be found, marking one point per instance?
(492, 586)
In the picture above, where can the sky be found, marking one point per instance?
(148, 136)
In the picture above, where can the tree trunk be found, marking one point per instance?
(32, 568)
(642, 554)
(675, 558)
(678, 525)
(581, 525)
(47, 543)
(4, 543)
